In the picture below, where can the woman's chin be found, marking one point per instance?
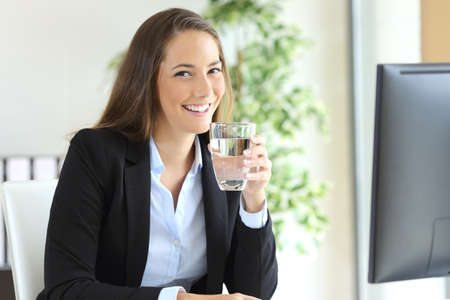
(200, 128)
(196, 126)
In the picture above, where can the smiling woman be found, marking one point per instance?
(137, 213)
(171, 58)
(189, 91)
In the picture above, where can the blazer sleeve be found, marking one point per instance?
(74, 226)
(251, 266)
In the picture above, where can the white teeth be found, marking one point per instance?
(199, 108)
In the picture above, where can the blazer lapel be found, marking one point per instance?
(216, 222)
(137, 194)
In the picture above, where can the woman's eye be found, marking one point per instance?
(182, 74)
(215, 70)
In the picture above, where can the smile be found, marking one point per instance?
(197, 108)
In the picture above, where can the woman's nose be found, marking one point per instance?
(203, 88)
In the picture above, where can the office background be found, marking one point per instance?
(53, 80)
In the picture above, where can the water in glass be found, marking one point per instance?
(228, 162)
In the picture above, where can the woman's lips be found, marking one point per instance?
(197, 113)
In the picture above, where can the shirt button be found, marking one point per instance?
(176, 242)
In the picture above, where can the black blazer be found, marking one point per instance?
(98, 232)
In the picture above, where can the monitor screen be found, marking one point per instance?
(410, 212)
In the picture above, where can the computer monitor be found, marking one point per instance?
(410, 212)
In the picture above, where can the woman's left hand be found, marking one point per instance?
(256, 158)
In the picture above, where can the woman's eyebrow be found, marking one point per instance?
(192, 66)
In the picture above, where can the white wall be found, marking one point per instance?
(52, 75)
(53, 81)
(385, 31)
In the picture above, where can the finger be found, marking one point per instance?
(258, 140)
(261, 162)
(209, 148)
(256, 151)
(259, 176)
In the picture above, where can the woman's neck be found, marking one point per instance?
(175, 149)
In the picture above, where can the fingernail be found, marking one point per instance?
(246, 162)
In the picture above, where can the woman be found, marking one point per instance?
(137, 213)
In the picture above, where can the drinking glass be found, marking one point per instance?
(228, 142)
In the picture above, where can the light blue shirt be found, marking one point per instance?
(177, 245)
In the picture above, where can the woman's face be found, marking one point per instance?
(190, 83)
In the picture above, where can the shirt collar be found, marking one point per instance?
(157, 165)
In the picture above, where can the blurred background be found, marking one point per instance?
(54, 80)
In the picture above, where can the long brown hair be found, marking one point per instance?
(134, 99)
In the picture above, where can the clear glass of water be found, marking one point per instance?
(228, 142)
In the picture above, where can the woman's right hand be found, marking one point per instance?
(235, 296)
